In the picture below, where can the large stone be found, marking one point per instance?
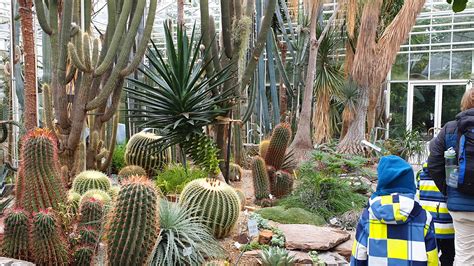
(310, 237)
(14, 262)
(345, 249)
(265, 236)
(332, 259)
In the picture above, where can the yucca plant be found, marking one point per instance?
(179, 99)
(185, 240)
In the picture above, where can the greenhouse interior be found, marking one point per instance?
(237, 132)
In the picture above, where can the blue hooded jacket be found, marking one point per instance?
(395, 175)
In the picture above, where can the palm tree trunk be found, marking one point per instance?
(321, 124)
(181, 12)
(26, 17)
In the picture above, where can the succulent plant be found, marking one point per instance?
(130, 170)
(134, 216)
(48, 247)
(263, 147)
(113, 192)
(261, 181)
(242, 198)
(235, 172)
(97, 194)
(281, 183)
(16, 235)
(139, 152)
(40, 185)
(88, 235)
(276, 151)
(275, 256)
(73, 201)
(215, 201)
(90, 179)
(83, 256)
(92, 213)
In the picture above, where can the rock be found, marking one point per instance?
(241, 238)
(265, 236)
(345, 249)
(14, 262)
(310, 237)
(332, 259)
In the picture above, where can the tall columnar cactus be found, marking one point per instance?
(16, 235)
(133, 227)
(92, 213)
(281, 183)
(204, 152)
(83, 256)
(263, 147)
(261, 182)
(138, 152)
(216, 202)
(130, 170)
(48, 247)
(90, 179)
(279, 141)
(40, 183)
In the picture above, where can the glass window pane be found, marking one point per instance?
(398, 109)
(419, 66)
(439, 65)
(400, 68)
(452, 95)
(463, 36)
(461, 65)
(441, 37)
(423, 110)
(423, 38)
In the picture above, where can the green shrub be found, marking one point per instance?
(181, 228)
(331, 162)
(173, 179)
(323, 194)
(118, 158)
(282, 215)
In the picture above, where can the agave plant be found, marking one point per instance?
(185, 240)
(178, 98)
(275, 256)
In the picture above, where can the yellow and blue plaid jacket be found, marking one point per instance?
(432, 200)
(395, 231)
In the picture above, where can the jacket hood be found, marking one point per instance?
(393, 209)
(395, 175)
(465, 119)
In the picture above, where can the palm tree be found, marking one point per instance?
(328, 82)
(373, 60)
(26, 18)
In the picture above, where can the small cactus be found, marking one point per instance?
(73, 200)
(242, 198)
(40, 184)
(279, 141)
(91, 213)
(235, 172)
(97, 194)
(215, 201)
(83, 256)
(138, 152)
(261, 182)
(90, 179)
(281, 183)
(113, 192)
(130, 170)
(133, 227)
(88, 235)
(263, 147)
(15, 238)
(47, 245)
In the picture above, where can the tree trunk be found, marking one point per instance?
(26, 17)
(321, 118)
(181, 12)
(283, 96)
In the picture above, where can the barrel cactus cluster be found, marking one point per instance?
(139, 152)
(90, 179)
(272, 170)
(129, 171)
(15, 242)
(215, 201)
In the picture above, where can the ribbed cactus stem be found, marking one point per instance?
(133, 227)
(204, 152)
(83, 256)
(49, 247)
(281, 183)
(138, 152)
(129, 171)
(15, 242)
(235, 173)
(215, 201)
(42, 185)
(279, 141)
(88, 235)
(261, 182)
(73, 200)
(90, 179)
(92, 213)
(263, 147)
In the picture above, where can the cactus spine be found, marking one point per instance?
(138, 152)
(281, 183)
(261, 182)
(275, 154)
(98, 195)
(263, 147)
(83, 256)
(91, 213)
(130, 170)
(40, 183)
(47, 245)
(88, 235)
(215, 201)
(15, 239)
(90, 179)
(73, 200)
(133, 227)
